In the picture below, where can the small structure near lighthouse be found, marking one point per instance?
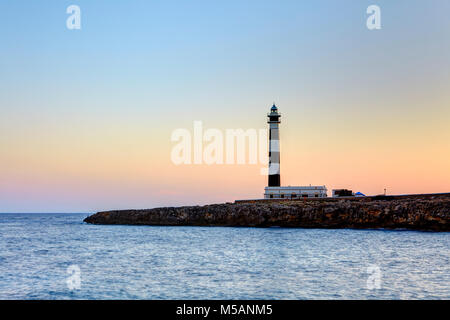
(274, 190)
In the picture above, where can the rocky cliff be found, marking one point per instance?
(427, 212)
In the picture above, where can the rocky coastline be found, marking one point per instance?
(414, 212)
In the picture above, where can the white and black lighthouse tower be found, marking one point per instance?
(274, 147)
(274, 190)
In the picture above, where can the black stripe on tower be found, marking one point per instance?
(274, 180)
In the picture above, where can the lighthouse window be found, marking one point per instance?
(271, 196)
(282, 196)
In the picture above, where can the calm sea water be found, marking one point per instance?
(142, 262)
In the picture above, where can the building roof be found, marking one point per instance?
(298, 187)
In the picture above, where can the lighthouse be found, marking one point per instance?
(274, 147)
(274, 190)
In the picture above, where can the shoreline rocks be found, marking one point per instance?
(427, 213)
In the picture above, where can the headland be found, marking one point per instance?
(426, 212)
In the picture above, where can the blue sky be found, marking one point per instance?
(163, 64)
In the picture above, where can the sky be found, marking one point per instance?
(86, 116)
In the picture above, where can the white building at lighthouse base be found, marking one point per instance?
(295, 192)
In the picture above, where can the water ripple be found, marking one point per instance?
(141, 262)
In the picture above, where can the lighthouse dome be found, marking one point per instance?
(274, 108)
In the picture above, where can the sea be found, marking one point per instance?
(58, 256)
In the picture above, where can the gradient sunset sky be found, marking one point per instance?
(86, 115)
